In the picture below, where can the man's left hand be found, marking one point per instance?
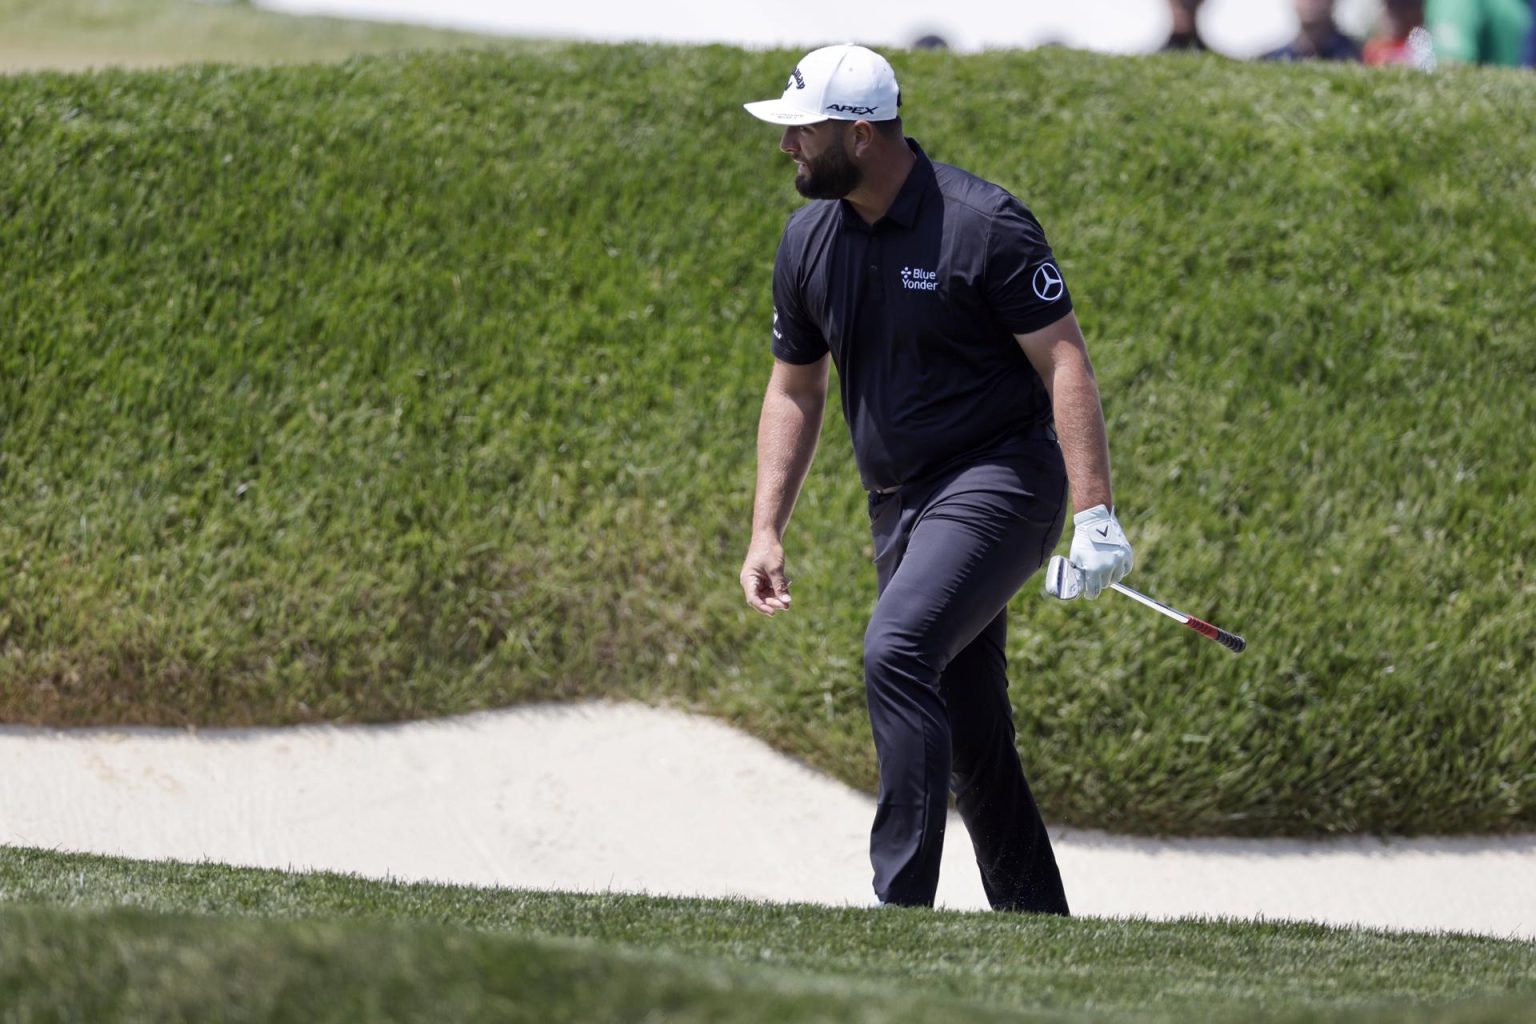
(1099, 549)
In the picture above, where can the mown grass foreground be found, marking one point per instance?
(93, 938)
(417, 385)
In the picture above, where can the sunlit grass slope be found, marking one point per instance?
(416, 385)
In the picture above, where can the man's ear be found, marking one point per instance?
(863, 137)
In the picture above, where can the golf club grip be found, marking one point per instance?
(1231, 641)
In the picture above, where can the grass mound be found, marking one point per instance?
(418, 385)
(107, 939)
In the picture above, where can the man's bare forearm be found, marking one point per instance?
(787, 433)
(1080, 430)
(1060, 356)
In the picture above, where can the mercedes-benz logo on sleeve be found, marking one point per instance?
(1047, 283)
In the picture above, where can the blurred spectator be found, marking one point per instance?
(1390, 43)
(1479, 31)
(1185, 33)
(1319, 38)
(1530, 45)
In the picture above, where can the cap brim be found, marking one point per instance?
(779, 112)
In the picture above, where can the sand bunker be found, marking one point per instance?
(623, 797)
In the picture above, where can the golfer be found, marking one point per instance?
(972, 406)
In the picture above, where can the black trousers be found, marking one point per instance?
(950, 553)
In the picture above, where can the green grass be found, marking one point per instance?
(417, 385)
(91, 938)
(40, 34)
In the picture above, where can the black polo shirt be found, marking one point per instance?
(919, 312)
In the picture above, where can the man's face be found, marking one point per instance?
(825, 170)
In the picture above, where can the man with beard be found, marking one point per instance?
(959, 362)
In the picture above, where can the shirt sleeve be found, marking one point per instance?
(1023, 284)
(796, 338)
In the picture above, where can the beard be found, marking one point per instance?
(830, 176)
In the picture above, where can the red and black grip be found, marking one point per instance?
(1231, 641)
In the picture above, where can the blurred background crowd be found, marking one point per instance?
(1421, 33)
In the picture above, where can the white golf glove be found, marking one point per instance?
(1100, 551)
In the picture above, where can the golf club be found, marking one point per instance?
(1063, 580)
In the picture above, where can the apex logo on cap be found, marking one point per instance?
(846, 109)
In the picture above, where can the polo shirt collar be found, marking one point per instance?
(909, 199)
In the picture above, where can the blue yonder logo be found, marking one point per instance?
(914, 279)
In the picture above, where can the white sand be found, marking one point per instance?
(623, 797)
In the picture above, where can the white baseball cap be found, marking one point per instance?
(834, 83)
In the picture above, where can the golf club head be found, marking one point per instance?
(1062, 579)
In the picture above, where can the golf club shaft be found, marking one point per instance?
(1152, 603)
(1231, 641)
